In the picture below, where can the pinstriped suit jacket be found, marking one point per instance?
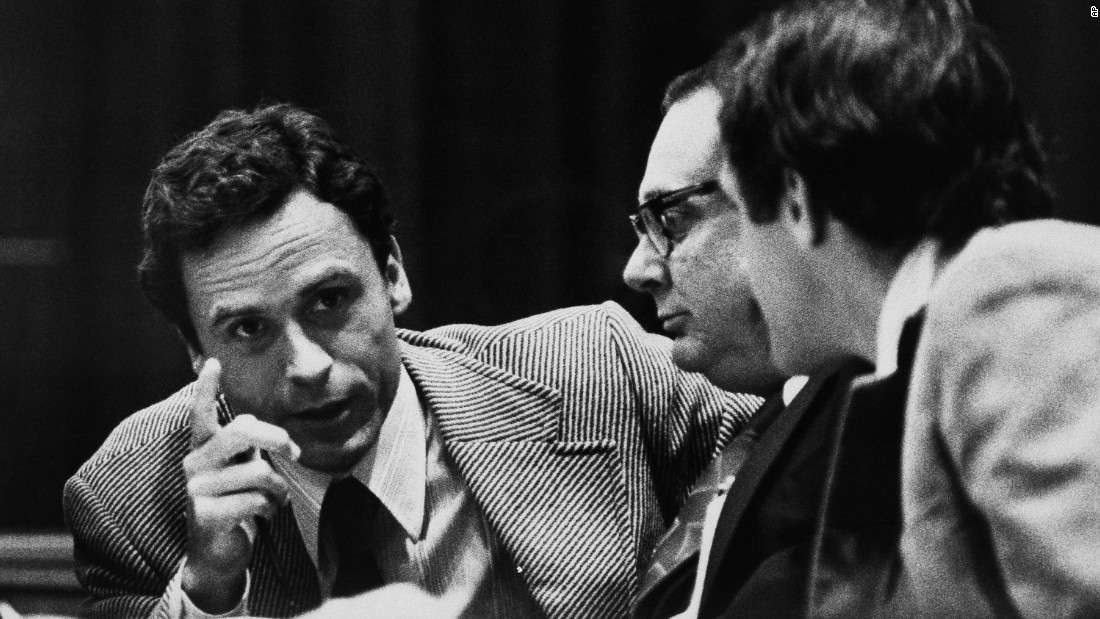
(576, 434)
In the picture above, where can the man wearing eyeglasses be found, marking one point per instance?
(742, 541)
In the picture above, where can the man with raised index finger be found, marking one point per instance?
(519, 470)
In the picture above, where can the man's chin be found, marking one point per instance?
(334, 458)
(689, 355)
(729, 370)
(332, 451)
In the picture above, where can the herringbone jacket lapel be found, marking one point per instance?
(559, 507)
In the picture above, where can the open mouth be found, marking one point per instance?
(326, 412)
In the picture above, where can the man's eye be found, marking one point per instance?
(675, 222)
(330, 299)
(248, 329)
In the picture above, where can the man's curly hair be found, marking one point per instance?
(241, 167)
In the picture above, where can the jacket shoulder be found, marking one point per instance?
(157, 427)
(588, 320)
(1021, 258)
(126, 508)
(1038, 235)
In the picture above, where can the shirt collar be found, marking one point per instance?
(792, 387)
(909, 291)
(394, 468)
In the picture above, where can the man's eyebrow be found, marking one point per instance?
(326, 277)
(655, 193)
(224, 313)
(662, 192)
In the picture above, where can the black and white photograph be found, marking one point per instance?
(460, 308)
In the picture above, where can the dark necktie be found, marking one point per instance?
(682, 541)
(349, 512)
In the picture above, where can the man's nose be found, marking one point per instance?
(307, 361)
(645, 271)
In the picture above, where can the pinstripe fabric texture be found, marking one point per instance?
(578, 438)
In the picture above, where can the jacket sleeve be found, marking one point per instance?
(1016, 375)
(688, 419)
(118, 579)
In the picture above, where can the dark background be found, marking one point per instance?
(511, 136)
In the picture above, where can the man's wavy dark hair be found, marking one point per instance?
(241, 167)
(901, 117)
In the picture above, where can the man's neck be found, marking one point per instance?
(857, 277)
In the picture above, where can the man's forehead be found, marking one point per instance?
(261, 246)
(301, 239)
(686, 149)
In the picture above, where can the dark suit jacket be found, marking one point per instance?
(760, 555)
(854, 563)
(576, 434)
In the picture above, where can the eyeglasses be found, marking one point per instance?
(650, 220)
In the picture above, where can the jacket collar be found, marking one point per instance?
(558, 506)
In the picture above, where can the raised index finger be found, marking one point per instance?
(204, 403)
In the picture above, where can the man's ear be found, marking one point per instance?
(197, 358)
(397, 282)
(794, 210)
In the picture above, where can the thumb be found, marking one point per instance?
(204, 403)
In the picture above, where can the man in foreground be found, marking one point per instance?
(520, 470)
(877, 155)
(742, 542)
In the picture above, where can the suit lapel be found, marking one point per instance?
(759, 462)
(822, 393)
(473, 401)
(855, 566)
(559, 507)
(679, 549)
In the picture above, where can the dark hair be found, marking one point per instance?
(903, 121)
(241, 167)
(686, 84)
